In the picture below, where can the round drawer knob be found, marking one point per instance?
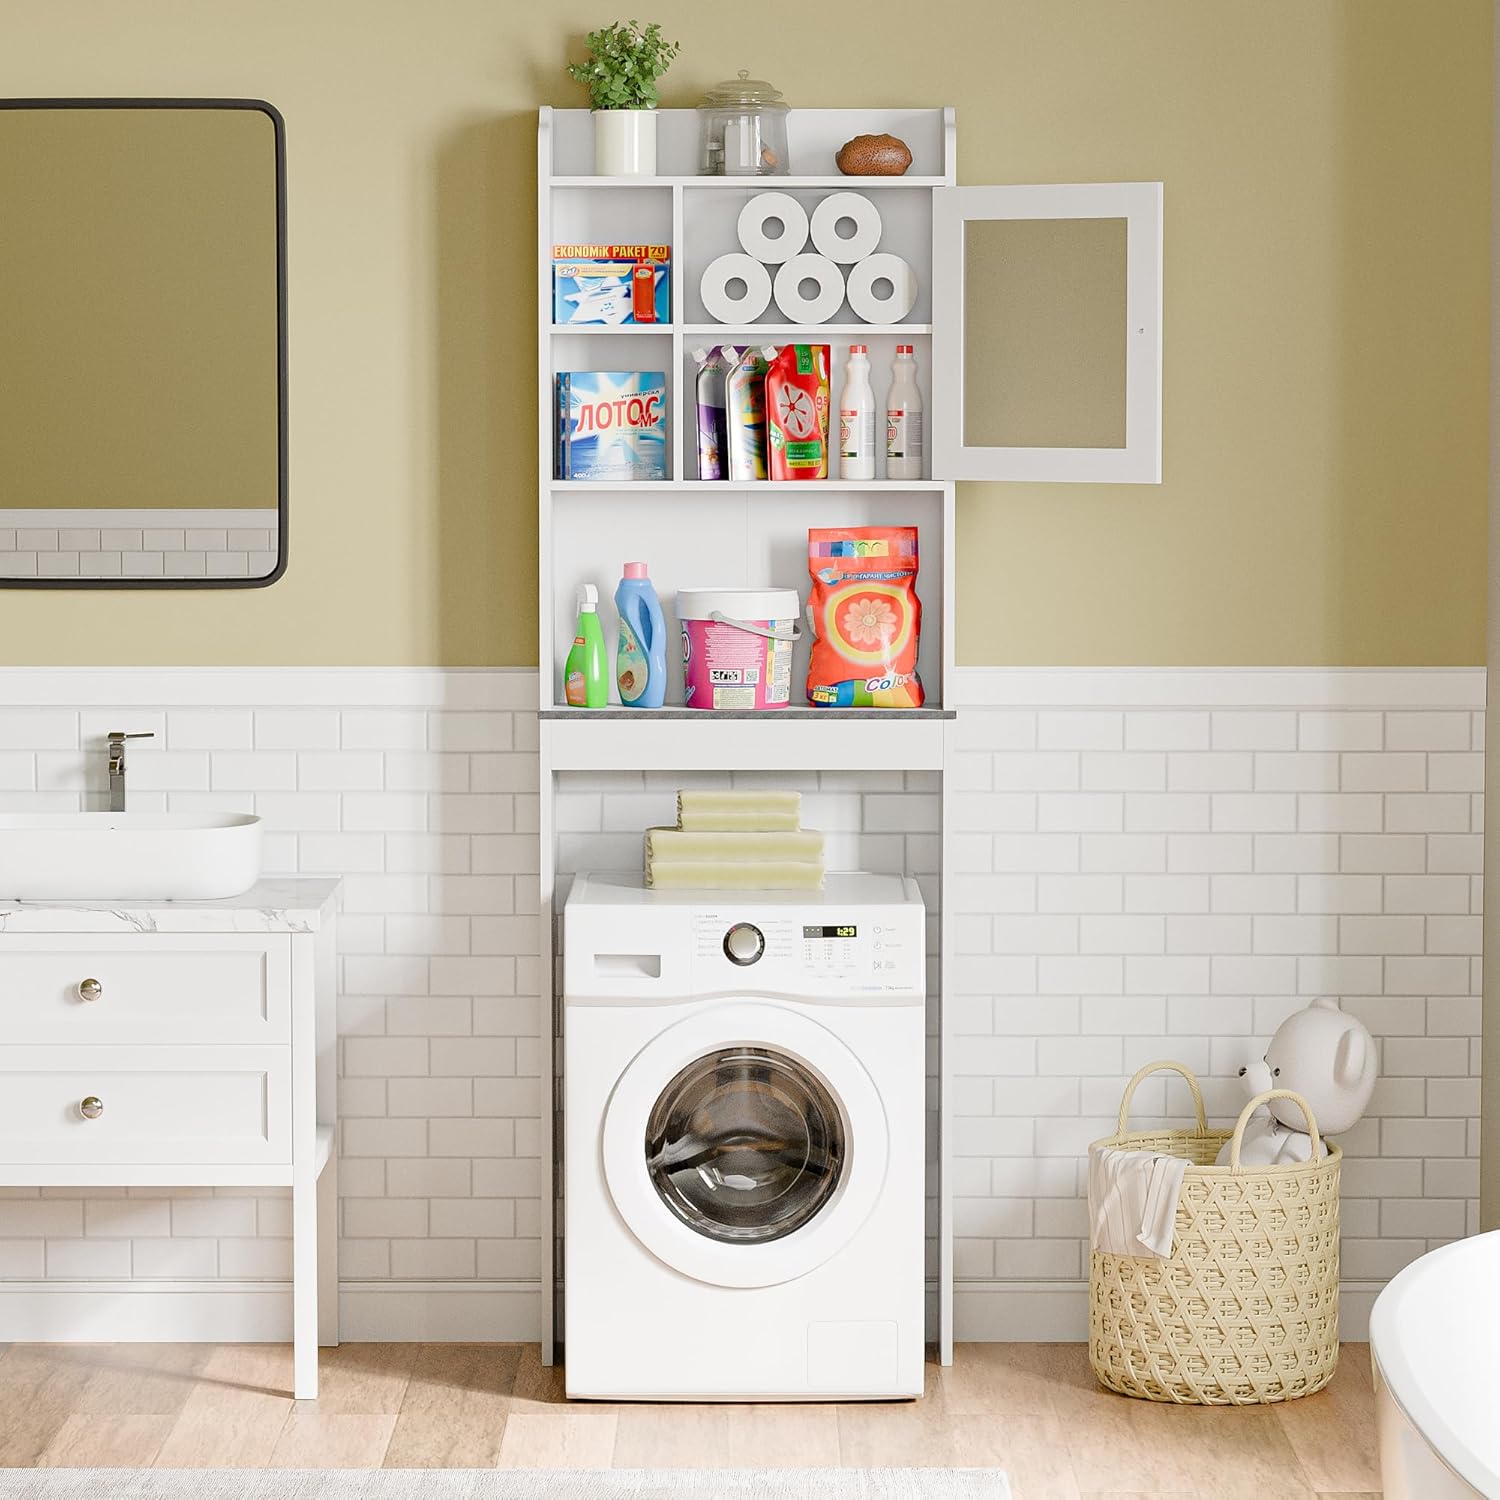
(90, 989)
(91, 1108)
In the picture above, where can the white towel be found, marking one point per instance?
(1133, 1200)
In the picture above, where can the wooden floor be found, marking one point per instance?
(1032, 1409)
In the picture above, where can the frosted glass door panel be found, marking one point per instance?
(1044, 333)
(1054, 293)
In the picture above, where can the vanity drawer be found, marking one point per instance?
(160, 1105)
(151, 987)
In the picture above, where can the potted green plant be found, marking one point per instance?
(625, 60)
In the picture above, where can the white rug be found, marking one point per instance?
(503, 1484)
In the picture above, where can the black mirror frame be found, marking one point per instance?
(278, 127)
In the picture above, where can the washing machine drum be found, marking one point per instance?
(745, 1145)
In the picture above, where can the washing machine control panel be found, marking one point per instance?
(811, 951)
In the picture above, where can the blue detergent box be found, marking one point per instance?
(611, 284)
(611, 425)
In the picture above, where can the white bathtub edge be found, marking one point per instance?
(1398, 1384)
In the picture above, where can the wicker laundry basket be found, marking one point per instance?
(1246, 1308)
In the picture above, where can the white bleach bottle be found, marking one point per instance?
(857, 417)
(903, 419)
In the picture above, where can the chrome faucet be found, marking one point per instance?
(117, 738)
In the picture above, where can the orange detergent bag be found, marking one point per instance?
(866, 617)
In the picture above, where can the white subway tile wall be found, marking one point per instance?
(1129, 884)
(1141, 884)
(438, 1010)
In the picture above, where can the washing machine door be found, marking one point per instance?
(745, 1145)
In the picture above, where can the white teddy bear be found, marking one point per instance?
(1328, 1058)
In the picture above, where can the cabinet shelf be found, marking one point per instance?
(787, 333)
(750, 486)
(794, 738)
(595, 329)
(804, 712)
(804, 333)
(751, 184)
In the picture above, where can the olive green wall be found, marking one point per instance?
(1327, 239)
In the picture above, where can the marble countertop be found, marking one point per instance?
(274, 904)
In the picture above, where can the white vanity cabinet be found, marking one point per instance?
(187, 1043)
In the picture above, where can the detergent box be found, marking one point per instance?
(611, 284)
(611, 425)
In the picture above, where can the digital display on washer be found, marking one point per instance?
(830, 932)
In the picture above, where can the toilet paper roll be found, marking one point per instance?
(830, 294)
(882, 307)
(724, 307)
(825, 232)
(773, 208)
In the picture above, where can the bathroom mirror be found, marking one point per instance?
(142, 343)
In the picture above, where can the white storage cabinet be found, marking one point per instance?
(1037, 333)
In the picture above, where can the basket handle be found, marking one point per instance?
(1255, 1104)
(1157, 1067)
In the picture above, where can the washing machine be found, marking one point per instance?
(743, 1087)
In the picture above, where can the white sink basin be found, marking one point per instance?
(101, 856)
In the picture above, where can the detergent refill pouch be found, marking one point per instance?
(865, 616)
(797, 411)
(713, 367)
(745, 417)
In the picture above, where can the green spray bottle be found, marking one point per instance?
(586, 674)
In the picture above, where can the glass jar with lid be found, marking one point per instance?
(742, 130)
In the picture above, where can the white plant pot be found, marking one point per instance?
(625, 142)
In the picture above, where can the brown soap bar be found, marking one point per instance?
(873, 156)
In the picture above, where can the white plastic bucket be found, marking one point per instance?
(737, 646)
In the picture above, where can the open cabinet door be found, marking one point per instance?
(1049, 299)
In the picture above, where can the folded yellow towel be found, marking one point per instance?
(734, 875)
(803, 846)
(741, 811)
(692, 821)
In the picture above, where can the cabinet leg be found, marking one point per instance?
(328, 1254)
(305, 1287)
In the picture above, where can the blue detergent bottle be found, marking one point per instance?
(641, 661)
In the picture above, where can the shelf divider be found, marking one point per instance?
(678, 447)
